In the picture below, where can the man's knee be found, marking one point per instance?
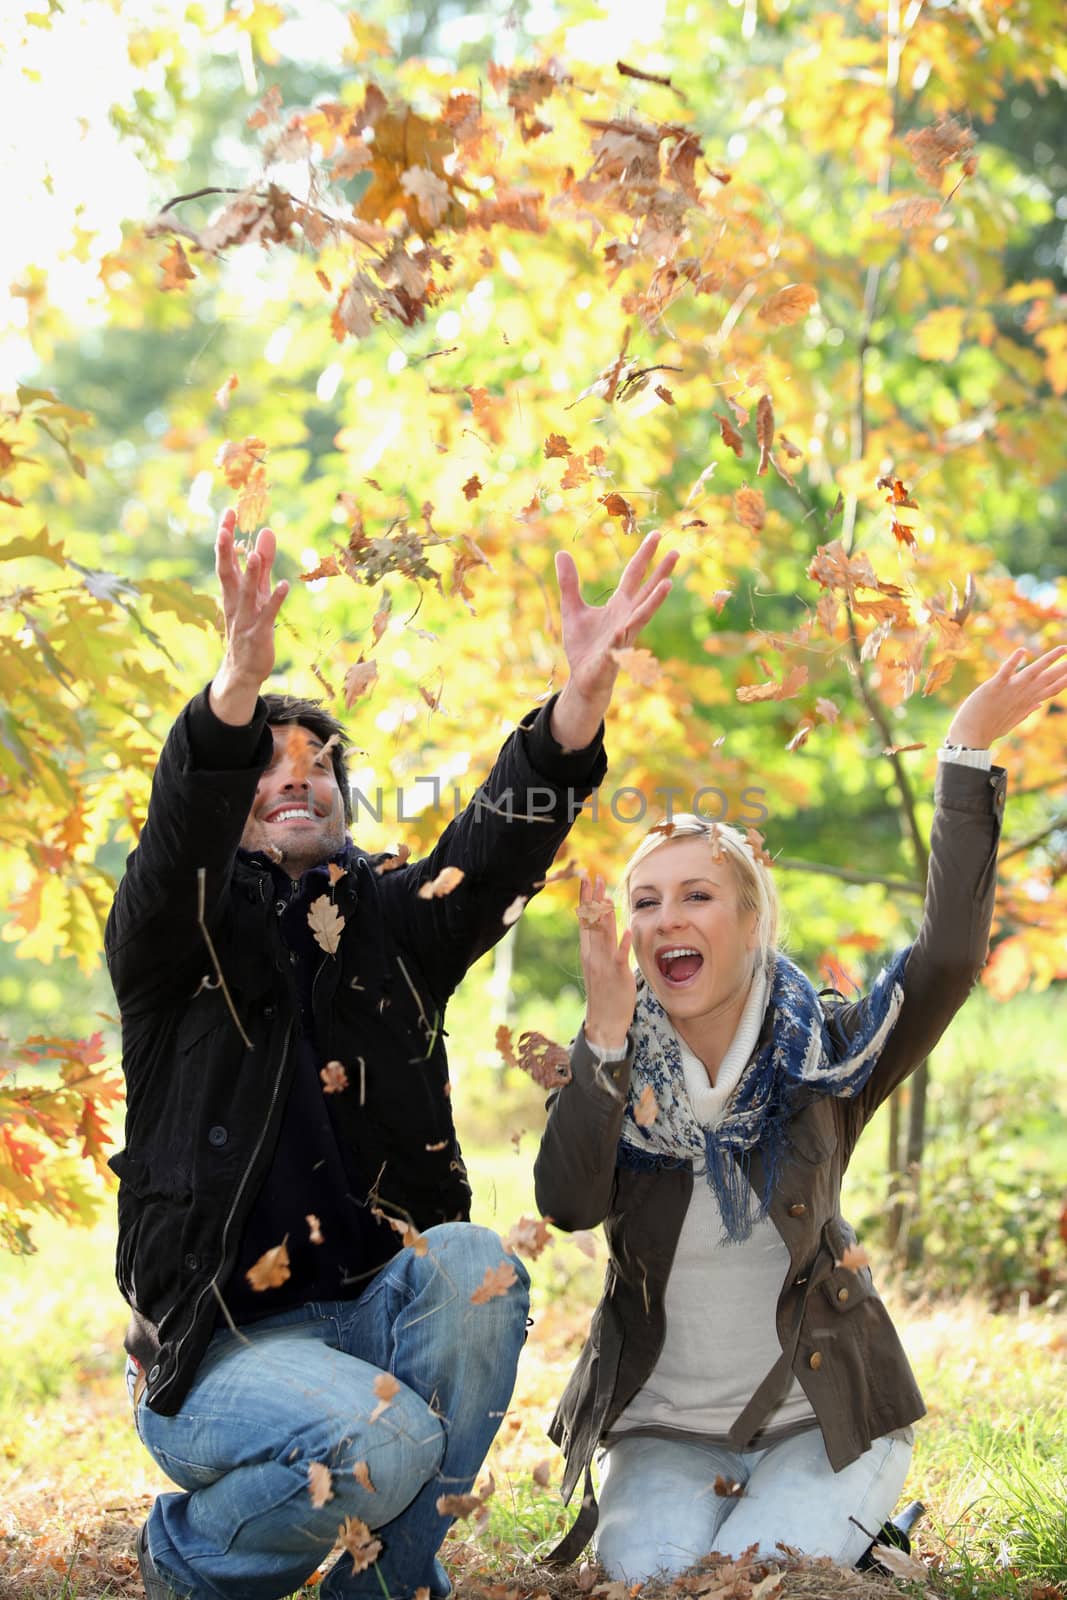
(473, 1262)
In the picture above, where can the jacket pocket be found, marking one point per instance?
(155, 1181)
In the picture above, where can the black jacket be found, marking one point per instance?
(203, 1109)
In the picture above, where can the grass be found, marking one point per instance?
(991, 1457)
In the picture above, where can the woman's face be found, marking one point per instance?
(692, 941)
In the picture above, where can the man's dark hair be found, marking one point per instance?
(310, 714)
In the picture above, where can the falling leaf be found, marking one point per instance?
(585, 1241)
(730, 435)
(429, 191)
(754, 840)
(800, 737)
(320, 1483)
(665, 394)
(542, 1474)
(224, 391)
(360, 1543)
(326, 923)
(497, 1281)
(394, 860)
(514, 910)
(271, 1270)
(380, 620)
(640, 664)
(505, 1046)
(528, 1237)
(314, 1228)
(361, 1473)
(764, 432)
(386, 1388)
(939, 674)
(176, 269)
(576, 474)
(616, 506)
(935, 147)
(788, 305)
(827, 709)
(446, 880)
(854, 1256)
(556, 445)
(336, 873)
(463, 1505)
(410, 1237)
(646, 1110)
(591, 912)
(473, 487)
(726, 1489)
(900, 749)
(359, 678)
(719, 599)
(334, 1077)
(749, 508)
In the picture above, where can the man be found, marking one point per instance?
(295, 1367)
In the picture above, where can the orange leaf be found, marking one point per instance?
(359, 679)
(556, 445)
(314, 1228)
(497, 1281)
(361, 1473)
(548, 1064)
(386, 1388)
(750, 509)
(788, 305)
(271, 1270)
(646, 1110)
(473, 487)
(640, 664)
(360, 1543)
(764, 432)
(730, 435)
(334, 1077)
(528, 1237)
(447, 879)
(854, 1256)
(320, 1483)
(176, 269)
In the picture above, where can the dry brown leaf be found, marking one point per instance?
(730, 436)
(334, 1077)
(750, 508)
(497, 1281)
(224, 391)
(764, 432)
(899, 1563)
(646, 1110)
(473, 487)
(727, 1489)
(754, 840)
(939, 674)
(576, 473)
(854, 1256)
(462, 1505)
(326, 923)
(361, 1473)
(900, 749)
(320, 1483)
(639, 664)
(505, 1045)
(542, 1474)
(827, 709)
(617, 506)
(391, 862)
(359, 680)
(314, 1228)
(547, 1062)
(360, 1543)
(800, 736)
(176, 269)
(336, 873)
(585, 1241)
(528, 1237)
(386, 1388)
(788, 305)
(447, 879)
(271, 1270)
(591, 912)
(380, 619)
(556, 445)
(514, 910)
(410, 1237)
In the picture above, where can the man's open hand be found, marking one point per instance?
(591, 633)
(250, 608)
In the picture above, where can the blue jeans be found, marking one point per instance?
(298, 1388)
(659, 1512)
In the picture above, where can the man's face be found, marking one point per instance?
(297, 816)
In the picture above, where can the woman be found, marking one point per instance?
(741, 1374)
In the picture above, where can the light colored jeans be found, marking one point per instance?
(298, 1388)
(659, 1512)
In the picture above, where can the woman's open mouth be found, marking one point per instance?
(679, 964)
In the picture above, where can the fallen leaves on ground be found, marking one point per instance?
(465, 1505)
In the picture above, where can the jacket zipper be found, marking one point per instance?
(233, 1208)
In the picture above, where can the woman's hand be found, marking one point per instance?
(1008, 697)
(610, 985)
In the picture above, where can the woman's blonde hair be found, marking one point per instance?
(756, 891)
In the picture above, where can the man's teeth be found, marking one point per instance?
(287, 815)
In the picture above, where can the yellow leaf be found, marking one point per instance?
(788, 305)
(938, 335)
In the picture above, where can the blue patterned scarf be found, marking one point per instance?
(801, 1059)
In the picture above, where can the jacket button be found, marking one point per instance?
(842, 1294)
(217, 1136)
(815, 1360)
(268, 1011)
(192, 1262)
(799, 1210)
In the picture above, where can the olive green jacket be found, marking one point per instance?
(835, 1333)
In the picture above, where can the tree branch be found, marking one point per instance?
(848, 875)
